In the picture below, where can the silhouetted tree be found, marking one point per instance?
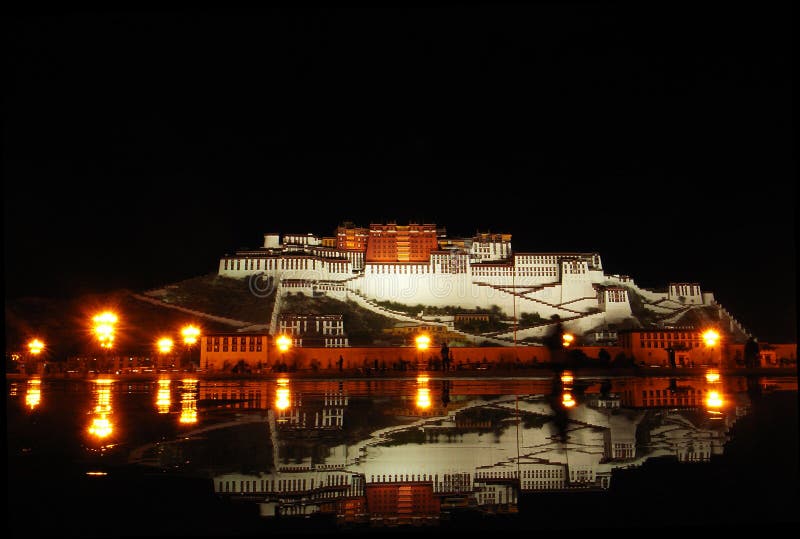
(751, 351)
(622, 361)
(603, 357)
(576, 358)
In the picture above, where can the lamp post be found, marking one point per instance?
(283, 342)
(710, 338)
(423, 342)
(164, 347)
(104, 328)
(35, 347)
(190, 335)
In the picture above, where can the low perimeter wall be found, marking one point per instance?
(394, 357)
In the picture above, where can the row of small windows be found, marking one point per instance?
(537, 259)
(669, 344)
(673, 401)
(280, 485)
(283, 263)
(495, 271)
(252, 344)
(404, 269)
(549, 474)
(574, 268)
(402, 477)
(544, 484)
(216, 394)
(690, 391)
(538, 272)
(669, 335)
(617, 296)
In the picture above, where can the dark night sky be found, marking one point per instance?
(139, 147)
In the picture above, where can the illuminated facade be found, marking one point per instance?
(401, 243)
(417, 264)
(222, 351)
(686, 344)
(325, 330)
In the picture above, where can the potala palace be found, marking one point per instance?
(417, 264)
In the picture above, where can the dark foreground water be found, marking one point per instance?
(182, 457)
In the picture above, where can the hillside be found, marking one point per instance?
(220, 296)
(64, 324)
(362, 327)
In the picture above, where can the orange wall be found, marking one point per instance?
(355, 357)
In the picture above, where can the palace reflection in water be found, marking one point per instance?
(414, 450)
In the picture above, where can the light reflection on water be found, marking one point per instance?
(101, 425)
(406, 450)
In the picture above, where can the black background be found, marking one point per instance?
(139, 147)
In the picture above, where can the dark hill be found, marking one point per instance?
(65, 324)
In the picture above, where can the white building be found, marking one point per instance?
(476, 272)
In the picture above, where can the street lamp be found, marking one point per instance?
(104, 327)
(423, 342)
(567, 339)
(35, 347)
(710, 338)
(190, 335)
(164, 345)
(283, 342)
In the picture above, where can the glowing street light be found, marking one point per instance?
(35, 347)
(104, 328)
(423, 342)
(710, 337)
(190, 334)
(567, 339)
(283, 343)
(164, 345)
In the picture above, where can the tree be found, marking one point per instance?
(622, 361)
(603, 357)
(751, 352)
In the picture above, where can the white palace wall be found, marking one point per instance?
(542, 282)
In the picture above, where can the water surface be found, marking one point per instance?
(251, 457)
